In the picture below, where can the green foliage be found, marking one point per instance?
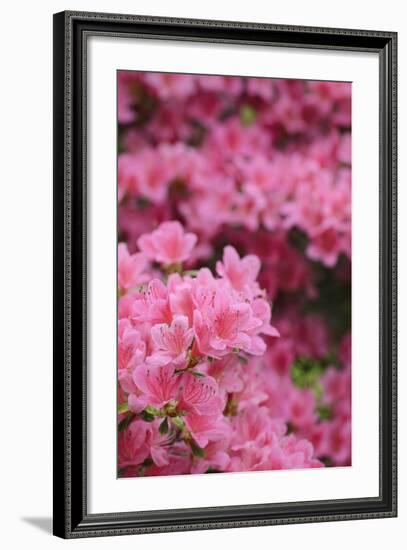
(123, 407)
(305, 372)
(197, 374)
(146, 416)
(334, 300)
(248, 115)
(163, 429)
(324, 412)
(196, 450)
(142, 202)
(178, 422)
(125, 422)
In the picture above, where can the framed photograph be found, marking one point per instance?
(224, 274)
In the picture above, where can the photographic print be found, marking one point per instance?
(225, 274)
(234, 274)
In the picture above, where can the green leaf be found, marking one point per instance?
(248, 115)
(197, 374)
(123, 407)
(146, 416)
(163, 429)
(324, 412)
(125, 422)
(152, 410)
(305, 372)
(142, 202)
(178, 422)
(196, 450)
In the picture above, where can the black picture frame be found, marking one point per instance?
(71, 519)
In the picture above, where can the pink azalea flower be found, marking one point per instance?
(252, 428)
(199, 396)
(179, 462)
(339, 442)
(224, 325)
(299, 453)
(132, 444)
(158, 385)
(207, 106)
(230, 140)
(261, 87)
(168, 244)
(157, 444)
(336, 384)
(132, 348)
(151, 304)
(281, 356)
(240, 272)
(168, 85)
(221, 84)
(227, 373)
(301, 407)
(345, 149)
(278, 187)
(151, 175)
(325, 246)
(249, 206)
(131, 353)
(206, 428)
(130, 269)
(262, 311)
(216, 457)
(171, 342)
(126, 178)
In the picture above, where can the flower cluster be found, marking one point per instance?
(193, 390)
(247, 152)
(233, 192)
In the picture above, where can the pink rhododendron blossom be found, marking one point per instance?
(168, 244)
(199, 396)
(130, 270)
(171, 342)
(241, 273)
(207, 428)
(131, 353)
(133, 448)
(224, 325)
(167, 84)
(157, 384)
(234, 274)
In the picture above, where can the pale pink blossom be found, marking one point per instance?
(167, 85)
(133, 447)
(131, 353)
(171, 342)
(224, 325)
(130, 269)
(199, 395)
(208, 166)
(168, 244)
(205, 429)
(240, 272)
(158, 386)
